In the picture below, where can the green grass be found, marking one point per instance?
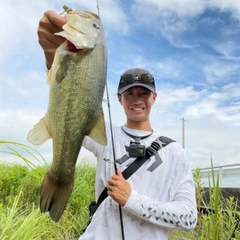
(20, 217)
(24, 221)
(19, 211)
(222, 220)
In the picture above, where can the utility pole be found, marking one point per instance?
(183, 132)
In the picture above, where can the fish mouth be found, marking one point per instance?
(71, 47)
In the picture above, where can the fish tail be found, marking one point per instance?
(54, 195)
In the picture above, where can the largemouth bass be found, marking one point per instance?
(77, 81)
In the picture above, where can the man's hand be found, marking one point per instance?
(118, 188)
(49, 24)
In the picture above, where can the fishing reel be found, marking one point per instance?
(135, 149)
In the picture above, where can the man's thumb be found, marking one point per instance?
(119, 173)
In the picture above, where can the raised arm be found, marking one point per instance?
(49, 24)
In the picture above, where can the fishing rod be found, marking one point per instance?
(113, 145)
(114, 158)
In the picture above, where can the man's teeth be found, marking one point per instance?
(137, 109)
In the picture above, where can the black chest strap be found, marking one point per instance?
(138, 162)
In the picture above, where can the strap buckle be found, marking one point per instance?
(158, 144)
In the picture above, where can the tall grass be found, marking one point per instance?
(20, 217)
(19, 151)
(24, 222)
(218, 218)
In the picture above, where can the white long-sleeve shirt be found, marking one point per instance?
(162, 196)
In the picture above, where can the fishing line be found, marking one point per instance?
(113, 144)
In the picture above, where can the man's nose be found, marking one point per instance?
(138, 100)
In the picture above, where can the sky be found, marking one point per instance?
(191, 47)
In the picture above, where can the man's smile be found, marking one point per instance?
(137, 109)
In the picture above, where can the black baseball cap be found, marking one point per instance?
(136, 77)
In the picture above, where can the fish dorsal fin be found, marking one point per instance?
(98, 132)
(39, 133)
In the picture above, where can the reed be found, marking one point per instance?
(218, 218)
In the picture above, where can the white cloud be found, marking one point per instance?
(181, 8)
(168, 68)
(15, 122)
(166, 19)
(170, 95)
(230, 114)
(19, 21)
(173, 18)
(114, 16)
(217, 104)
(188, 8)
(209, 137)
(200, 109)
(229, 49)
(220, 71)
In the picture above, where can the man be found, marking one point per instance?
(160, 194)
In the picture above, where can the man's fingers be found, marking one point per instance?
(49, 41)
(55, 19)
(49, 24)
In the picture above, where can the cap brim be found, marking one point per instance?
(135, 84)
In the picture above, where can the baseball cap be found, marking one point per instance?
(136, 77)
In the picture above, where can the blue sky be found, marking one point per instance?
(191, 46)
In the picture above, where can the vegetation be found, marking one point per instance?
(20, 217)
(19, 203)
(218, 218)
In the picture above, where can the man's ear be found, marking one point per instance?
(120, 98)
(154, 96)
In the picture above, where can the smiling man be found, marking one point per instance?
(160, 195)
(137, 93)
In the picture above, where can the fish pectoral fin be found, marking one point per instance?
(98, 132)
(62, 68)
(39, 133)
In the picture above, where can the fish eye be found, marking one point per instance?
(96, 26)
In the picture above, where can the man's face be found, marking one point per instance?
(137, 103)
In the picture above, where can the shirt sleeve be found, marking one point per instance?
(93, 146)
(90, 145)
(180, 211)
